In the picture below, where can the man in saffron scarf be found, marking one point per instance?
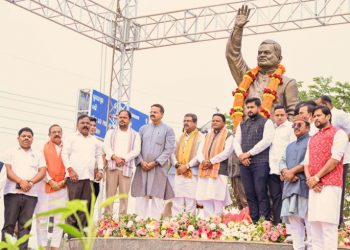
(122, 145)
(269, 57)
(54, 190)
(186, 167)
(324, 173)
(212, 190)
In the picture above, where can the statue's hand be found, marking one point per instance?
(242, 16)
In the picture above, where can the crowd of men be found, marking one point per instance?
(283, 170)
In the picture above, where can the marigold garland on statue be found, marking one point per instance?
(269, 96)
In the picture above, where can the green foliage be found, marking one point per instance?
(86, 234)
(339, 92)
(11, 243)
(229, 122)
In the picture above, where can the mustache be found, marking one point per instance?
(57, 136)
(152, 116)
(86, 127)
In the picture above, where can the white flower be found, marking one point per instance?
(138, 219)
(163, 232)
(130, 223)
(204, 236)
(150, 227)
(231, 224)
(190, 228)
(243, 229)
(222, 226)
(212, 226)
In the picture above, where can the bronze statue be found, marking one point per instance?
(269, 57)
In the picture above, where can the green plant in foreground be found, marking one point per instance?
(11, 243)
(86, 234)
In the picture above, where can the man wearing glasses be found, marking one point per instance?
(295, 191)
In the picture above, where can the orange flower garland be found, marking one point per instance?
(269, 96)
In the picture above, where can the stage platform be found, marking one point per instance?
(175, 244)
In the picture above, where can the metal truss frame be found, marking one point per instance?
(216, 21)
(122, 68)
(85, 17)
(125, 32)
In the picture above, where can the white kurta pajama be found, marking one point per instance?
(185, 188)
(214, 194)
(46, 202)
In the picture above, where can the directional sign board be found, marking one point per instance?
(95, 104)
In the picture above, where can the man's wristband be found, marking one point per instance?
(31, 183)
(177, 165)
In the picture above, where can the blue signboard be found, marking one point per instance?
(99, 109)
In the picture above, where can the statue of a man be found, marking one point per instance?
(269, 57)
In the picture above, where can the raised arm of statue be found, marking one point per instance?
(234, 56)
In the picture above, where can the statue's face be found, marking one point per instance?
(267, 57)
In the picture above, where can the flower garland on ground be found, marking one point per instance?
(344, 236)
(229, 226)
(269, 95)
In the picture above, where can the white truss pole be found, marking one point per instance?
(122, 68)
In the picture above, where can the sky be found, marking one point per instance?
(43, 65)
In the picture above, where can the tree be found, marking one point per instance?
(338, 92)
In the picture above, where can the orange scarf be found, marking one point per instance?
(185, 154)
(213, 145)
(54, 163)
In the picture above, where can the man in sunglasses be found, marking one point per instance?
(295, 191)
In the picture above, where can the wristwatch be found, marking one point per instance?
(157, 163)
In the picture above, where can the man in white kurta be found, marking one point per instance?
(212, 189)
(80, 153)
(282, 137)
(305, 110)
(324, 173)
(186, 165)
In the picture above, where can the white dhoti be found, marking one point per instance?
(149, 208)
(185, 195)
(46, 202)
(213, 194)
(324, 209)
